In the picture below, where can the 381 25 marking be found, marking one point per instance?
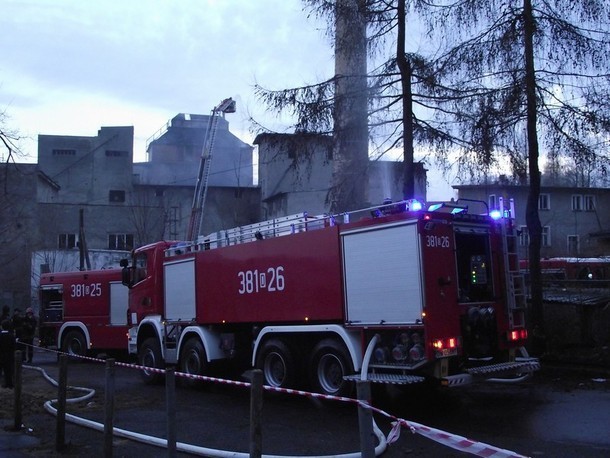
(83, 290)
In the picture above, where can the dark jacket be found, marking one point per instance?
(7, 346)
(28, 327)
(17, 324)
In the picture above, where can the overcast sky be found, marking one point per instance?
(69, 67)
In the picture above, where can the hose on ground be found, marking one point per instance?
(159, 442)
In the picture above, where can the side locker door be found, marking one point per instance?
(118, 304)
(440, 278)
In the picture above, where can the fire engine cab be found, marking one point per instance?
(394, 294)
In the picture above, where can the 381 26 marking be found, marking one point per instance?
(435, 241)
(255, 281)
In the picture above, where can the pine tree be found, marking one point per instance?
(527, 72)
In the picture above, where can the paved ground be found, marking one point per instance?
(556, 415)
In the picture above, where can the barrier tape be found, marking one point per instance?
(453, 441)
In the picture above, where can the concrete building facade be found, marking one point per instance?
(573, 221)
(141, 202)
(170, 175)
(295, 175)
(93, 174)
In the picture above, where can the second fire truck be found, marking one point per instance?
(83, 312)
(394, 294)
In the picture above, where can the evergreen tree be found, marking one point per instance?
(393, 91)
(533, 73)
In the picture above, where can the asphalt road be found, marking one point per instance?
(558, 413)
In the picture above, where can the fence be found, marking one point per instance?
(368, 430)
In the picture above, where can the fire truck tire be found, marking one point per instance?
(74, 344)
(149, 355)
(329, 364)
(276, 361)
(193, 360)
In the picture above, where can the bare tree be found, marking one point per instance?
(148, 215)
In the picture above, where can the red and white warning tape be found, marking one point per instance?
(450, 440)
(442, 437)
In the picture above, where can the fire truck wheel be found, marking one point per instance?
(277, 364)
(149, 355)
(329, 364)
(74, 344)
(193, 359)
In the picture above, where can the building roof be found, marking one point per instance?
(526, 186)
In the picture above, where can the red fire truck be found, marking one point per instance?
(572, 268)
(395, 293)
(83, 312)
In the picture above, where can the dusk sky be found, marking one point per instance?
(69, 67)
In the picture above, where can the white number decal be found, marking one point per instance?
(82, 290)
(254, 281)
(435, 241)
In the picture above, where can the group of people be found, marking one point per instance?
(16, 333)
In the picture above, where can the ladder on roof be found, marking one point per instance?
(277, 227)
(285, 225)
(201, 187)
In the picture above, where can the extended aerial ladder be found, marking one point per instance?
(201, 187)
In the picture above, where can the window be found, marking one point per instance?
(524, 237)
(573, 245)
(546, 235)
(67, 241)
(589, 203)
(64, 152)
(576, 202)
(116, 195)
(493, 204)
(120, 241)
(140, 272)
(544, 202)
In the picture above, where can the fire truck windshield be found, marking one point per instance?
(473, 267)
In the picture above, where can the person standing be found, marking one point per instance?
(28, 330)
(17, 323)
(7, 353)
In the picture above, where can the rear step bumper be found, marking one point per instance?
(507, 372)
(513, 372)
(394, 379)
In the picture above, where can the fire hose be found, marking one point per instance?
(450, 440)
(160, 442)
